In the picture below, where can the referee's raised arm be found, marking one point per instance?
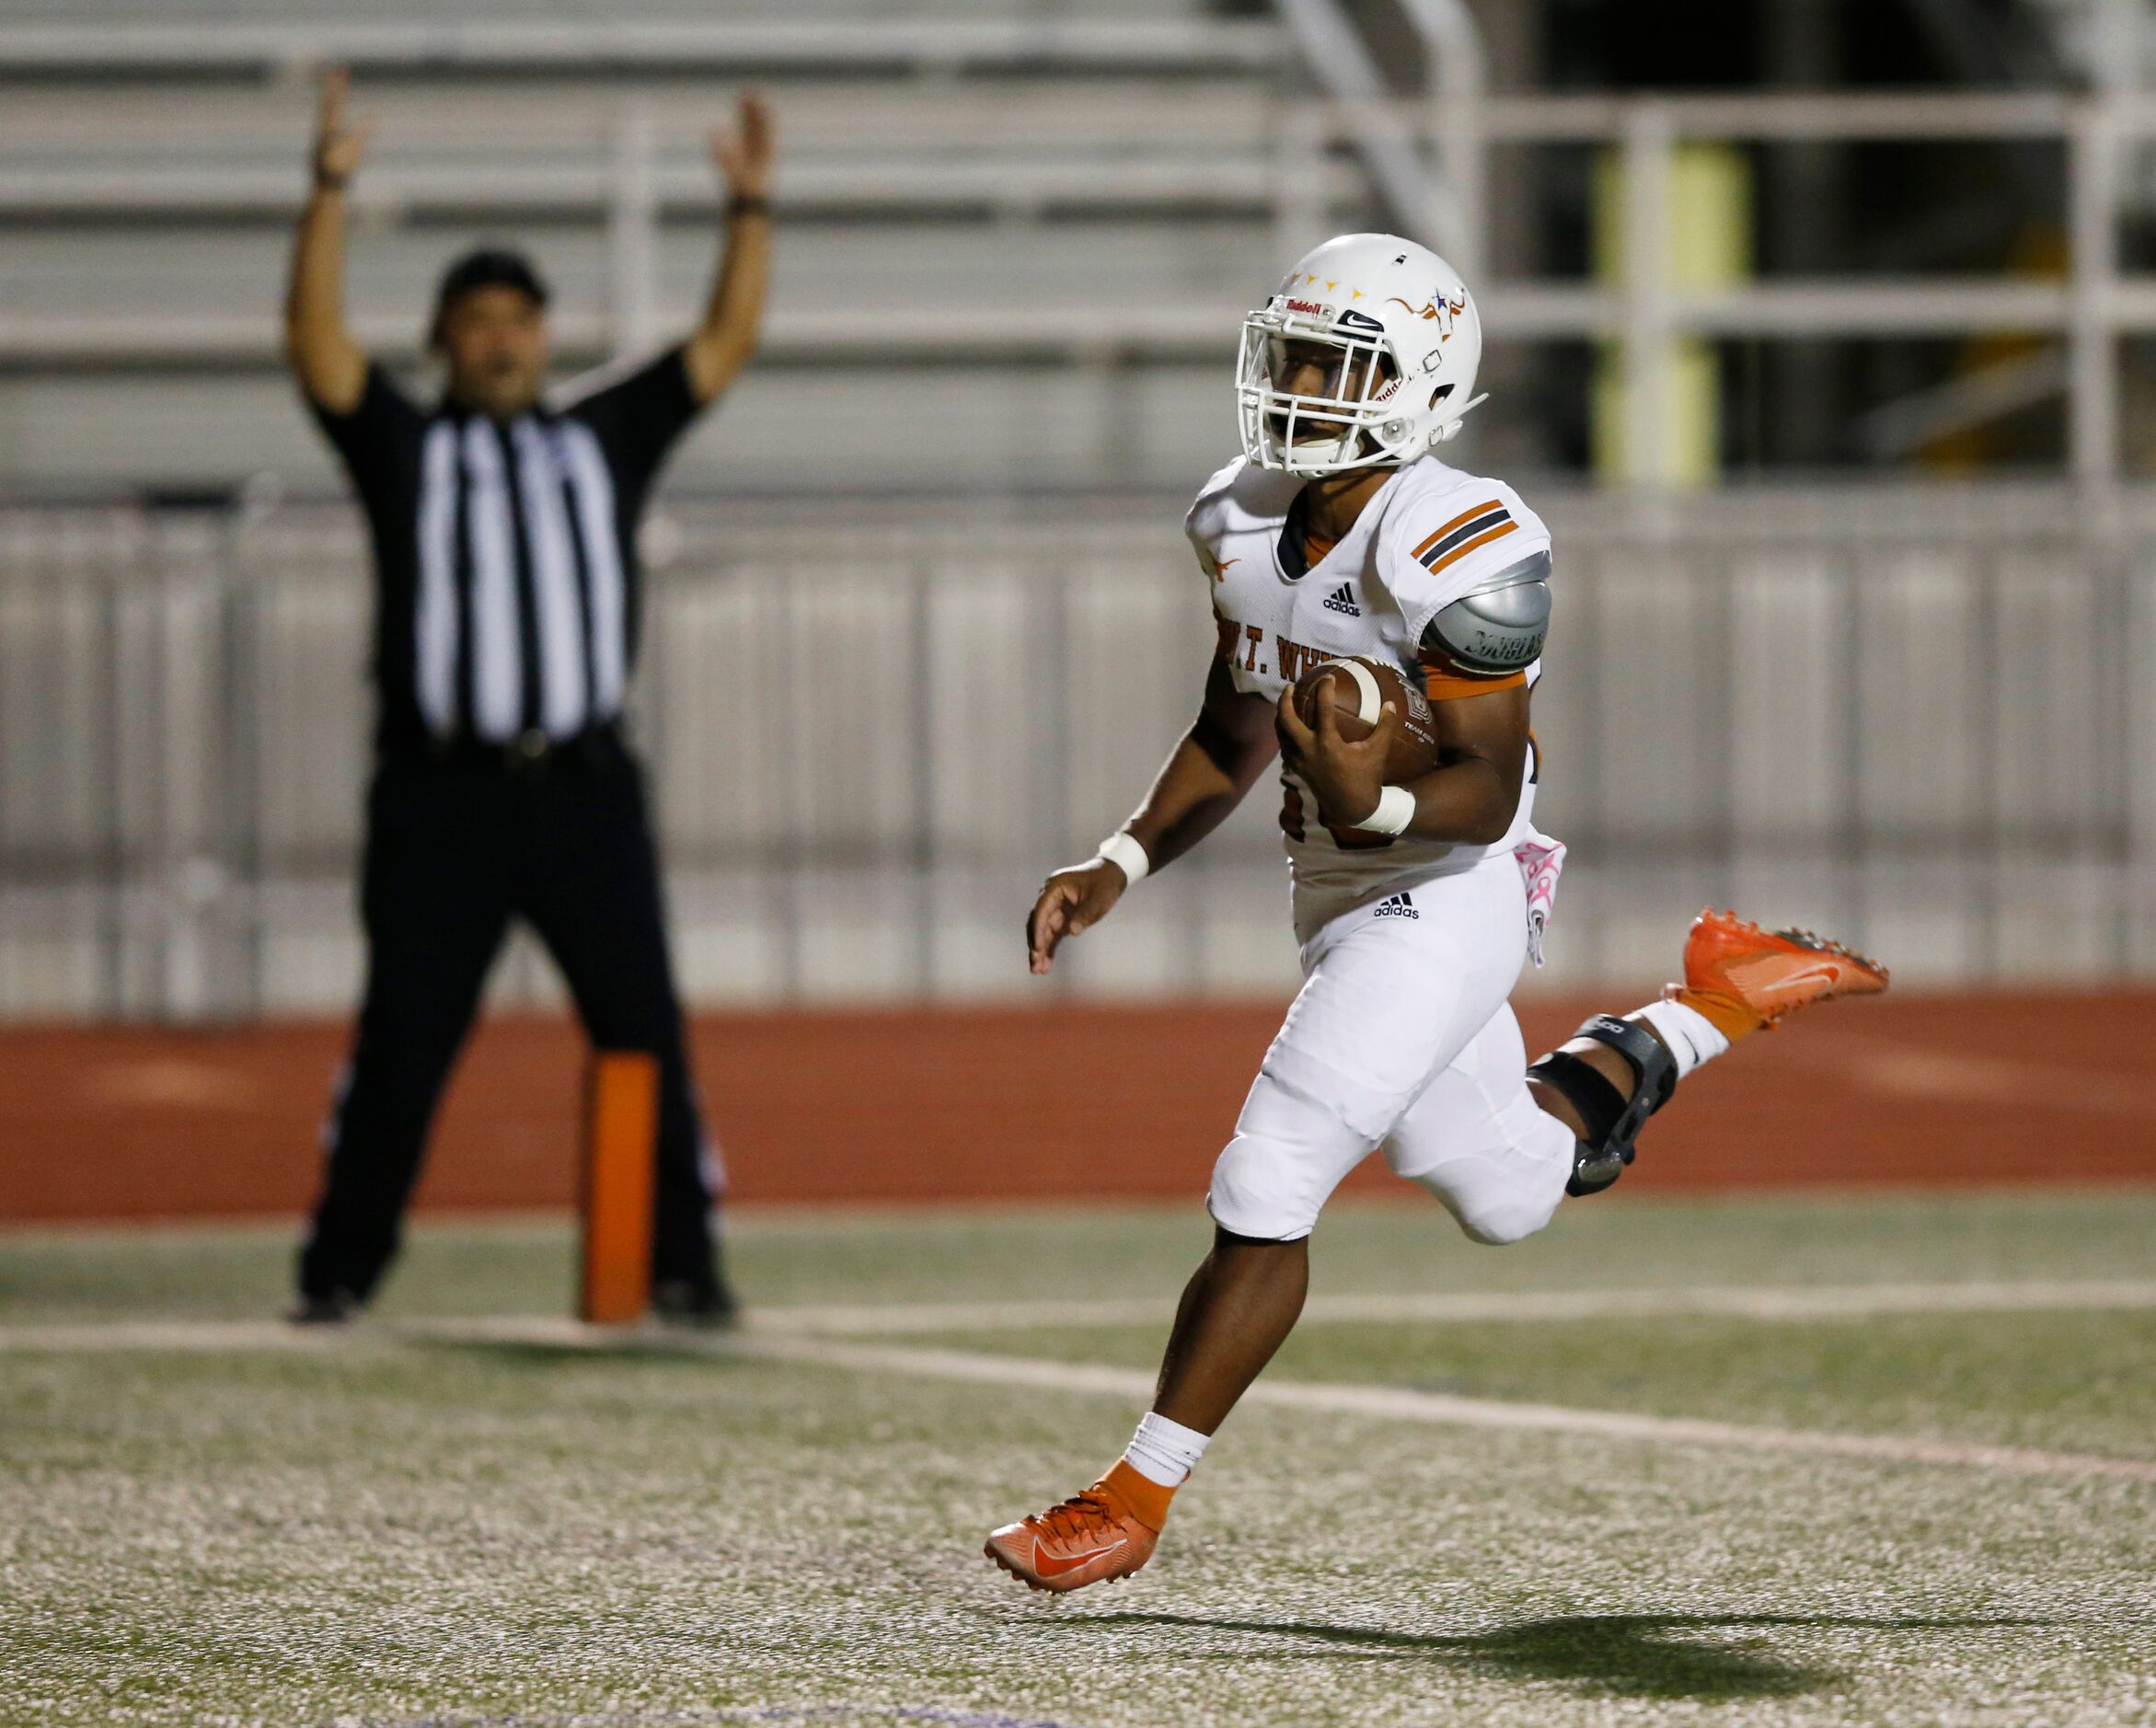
(331, 365)
(721, 344)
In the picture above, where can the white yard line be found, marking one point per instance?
(1443, 1409)
(240, 1337)
(1789, 1303)
(1387, 1403)
(1784, 1303)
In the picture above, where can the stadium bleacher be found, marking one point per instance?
(1015, 245)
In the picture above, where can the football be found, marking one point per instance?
(1358, 690)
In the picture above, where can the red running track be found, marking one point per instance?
(1098, 1102)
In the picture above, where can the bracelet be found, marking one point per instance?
(1396, 808)
(757, 205)
(331, 182)
(1124, 851)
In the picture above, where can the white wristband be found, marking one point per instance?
(1127, 855)
(1396, 808)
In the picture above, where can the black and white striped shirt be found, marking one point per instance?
(505, 553)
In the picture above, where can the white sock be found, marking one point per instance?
(1165, 1452)
(1692, 1038)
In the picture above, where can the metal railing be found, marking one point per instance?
(1905, 716)
(1288, 176)
(933, 46)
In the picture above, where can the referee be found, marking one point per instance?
(506, 608)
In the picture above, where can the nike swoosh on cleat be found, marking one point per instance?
(1056, 1568)
(1788, 982)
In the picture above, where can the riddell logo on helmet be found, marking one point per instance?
(1307, 306)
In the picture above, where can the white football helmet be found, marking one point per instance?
(1406, 341)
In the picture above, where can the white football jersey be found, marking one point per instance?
(1431, 536)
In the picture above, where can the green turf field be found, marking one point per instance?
(450, 1518)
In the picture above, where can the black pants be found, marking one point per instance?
(454, 847)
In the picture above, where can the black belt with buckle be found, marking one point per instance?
(530, 752)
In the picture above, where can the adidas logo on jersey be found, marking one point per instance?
(1342, 599)
(1396, 906)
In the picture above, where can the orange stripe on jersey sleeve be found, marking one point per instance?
(1440, 685)
(1458, 552)
(1464, 516)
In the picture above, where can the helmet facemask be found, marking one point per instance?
(1357, 408)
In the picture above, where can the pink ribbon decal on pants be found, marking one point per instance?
(1541, 862)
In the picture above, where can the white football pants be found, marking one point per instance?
(1402, 1036)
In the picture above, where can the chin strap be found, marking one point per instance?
(1345, 458)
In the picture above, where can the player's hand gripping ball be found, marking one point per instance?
(1358, 700)
(1348, 730)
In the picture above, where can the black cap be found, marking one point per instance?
(487, 267)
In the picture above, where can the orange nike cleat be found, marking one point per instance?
(1093, 1537)
(1743, 978)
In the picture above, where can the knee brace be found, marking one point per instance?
(1613, 1121)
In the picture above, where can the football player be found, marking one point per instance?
(1339, 533)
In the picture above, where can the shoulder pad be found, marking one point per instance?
(1499, 627)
